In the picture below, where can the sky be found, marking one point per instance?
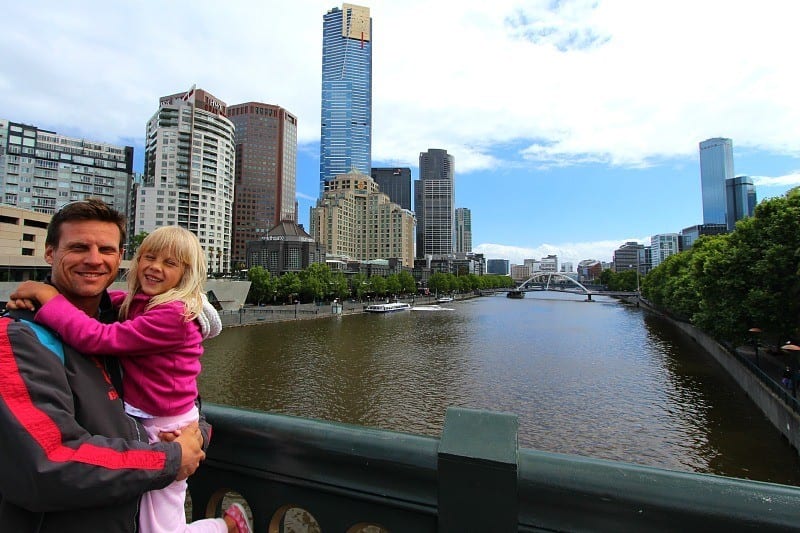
(574, 123)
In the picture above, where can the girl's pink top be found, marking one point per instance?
(159, 350)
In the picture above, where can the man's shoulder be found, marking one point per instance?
(44, 335)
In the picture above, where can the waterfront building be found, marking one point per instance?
(662, 246)
(285, 248)
(520, 273)
(463, 230)
(396, 183)
(534, 264)
(689, 235)
(434, 203)
(469, 263)
(566, 267)
(498, 267)
(629, 256)
(265, 172)
(549, 263)
(355, 220)
(42, 170)
(716, 166)
(188, 172)
(740, 196)
(346, 119)
(589, 270)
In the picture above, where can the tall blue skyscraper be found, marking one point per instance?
(716, 166)
(741, 199)
(346, 140)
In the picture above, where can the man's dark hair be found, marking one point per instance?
(91, 209)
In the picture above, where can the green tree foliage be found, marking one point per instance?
(262, 285)
(727, 284)
(407, 283)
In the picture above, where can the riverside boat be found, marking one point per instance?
(443, 300)
(387, 308)
(517, 294)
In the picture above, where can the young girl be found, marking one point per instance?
(164, 318)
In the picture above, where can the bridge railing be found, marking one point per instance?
(337, 477)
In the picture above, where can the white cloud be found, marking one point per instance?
(789, 180)
(619, 82)
(570, 251)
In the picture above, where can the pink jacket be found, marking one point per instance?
(160, 352)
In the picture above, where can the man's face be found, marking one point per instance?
(86, 259)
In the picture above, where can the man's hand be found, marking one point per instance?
(29, 292)
(191, 441)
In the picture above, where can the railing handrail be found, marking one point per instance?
(473, 476)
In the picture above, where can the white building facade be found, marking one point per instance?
(189, 173)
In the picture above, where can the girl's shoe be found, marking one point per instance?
(237, 513)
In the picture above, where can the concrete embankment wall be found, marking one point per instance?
(781, 415)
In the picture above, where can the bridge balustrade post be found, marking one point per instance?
(477, 467)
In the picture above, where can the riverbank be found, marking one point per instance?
(253, 315)
(758, 379)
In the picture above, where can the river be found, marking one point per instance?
(594, 379)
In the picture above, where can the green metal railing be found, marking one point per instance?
(344, 478)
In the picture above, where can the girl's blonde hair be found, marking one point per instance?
(184, 246)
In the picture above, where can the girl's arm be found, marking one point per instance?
(159, 329)
(29, 292)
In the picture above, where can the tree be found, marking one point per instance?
(262, 285)
(407, 283)
(289, 286)
(136, 242)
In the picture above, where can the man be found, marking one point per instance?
(70, 458)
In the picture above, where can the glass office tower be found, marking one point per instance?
(346, 120)
(716, 166)
(740, 194)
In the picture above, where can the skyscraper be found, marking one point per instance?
(346, 121)
(463, 230)
(42, 170)
(265, 172)
(396, 183)
(188, 172)
(740, 194)
(716, 165)
(434, 203)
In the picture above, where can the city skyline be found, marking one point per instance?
(562, 147)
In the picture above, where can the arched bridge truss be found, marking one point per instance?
(546, 279)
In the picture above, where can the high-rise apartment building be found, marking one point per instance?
(265, 174)
(740, 196)
(188, 172)
(346, 121)
(354, 220)
(463, 230)
(396, 183)
(716, 166)
(663, 246)
(434, 203)
(42, 170)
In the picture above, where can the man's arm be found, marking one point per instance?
(48, 461)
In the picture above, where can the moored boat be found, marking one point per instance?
(387, 307)
(516, 293)
(443, 299)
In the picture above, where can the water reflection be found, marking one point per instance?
(594, 379)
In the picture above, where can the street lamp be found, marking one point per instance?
(793, 350)
(754, 332)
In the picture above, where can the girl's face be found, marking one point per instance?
(159, 272)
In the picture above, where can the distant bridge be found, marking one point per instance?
(554, 281)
